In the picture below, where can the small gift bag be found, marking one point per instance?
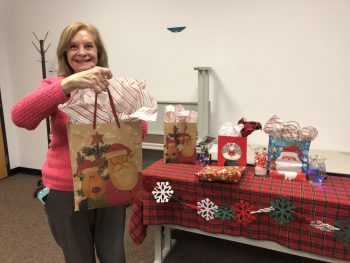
(106, 156)
(232, 151)
(288, 148)
(180, 135)
(232, 142)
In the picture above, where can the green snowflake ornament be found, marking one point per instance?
(224, 213)
(343, 235)
(283, 210)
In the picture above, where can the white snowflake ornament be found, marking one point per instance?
(162, 192)
(207, 209)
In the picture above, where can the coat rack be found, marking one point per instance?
(42, 52)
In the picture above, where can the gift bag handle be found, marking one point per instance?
(112, 106)
(290, 130)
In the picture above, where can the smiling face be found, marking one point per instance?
(82, 51)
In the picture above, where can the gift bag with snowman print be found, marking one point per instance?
(106, 145)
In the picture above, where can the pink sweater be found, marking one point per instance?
(31, 110)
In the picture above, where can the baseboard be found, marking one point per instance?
(25, 170)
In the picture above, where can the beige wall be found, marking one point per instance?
(288, 57)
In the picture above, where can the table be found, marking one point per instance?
(329, 204)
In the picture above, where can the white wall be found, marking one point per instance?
(284, 57)
(6, 87)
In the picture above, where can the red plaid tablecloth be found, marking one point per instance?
(328, 203)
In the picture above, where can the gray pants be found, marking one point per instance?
(80, 233)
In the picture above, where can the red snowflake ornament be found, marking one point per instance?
(243, 215)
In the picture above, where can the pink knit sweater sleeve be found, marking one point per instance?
(39, 104)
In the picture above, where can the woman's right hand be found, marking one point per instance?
(94, 78)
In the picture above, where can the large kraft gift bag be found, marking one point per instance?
(180, 135)
(106, 163)
(105, 142)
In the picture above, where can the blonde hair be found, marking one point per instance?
(64, 69)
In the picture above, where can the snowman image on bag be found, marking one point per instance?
(231, 152)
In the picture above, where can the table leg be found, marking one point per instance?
(162, 243)
(167, 239)
(158, 236)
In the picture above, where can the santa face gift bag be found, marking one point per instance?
(288, 148)
(288, 159)
(106, 163)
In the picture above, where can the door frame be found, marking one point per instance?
(4, 138)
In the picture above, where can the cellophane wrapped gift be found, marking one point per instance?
(288, 148)
(225, 174)
(180, 135)
(106, 147)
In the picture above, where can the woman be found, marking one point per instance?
(83, 64)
